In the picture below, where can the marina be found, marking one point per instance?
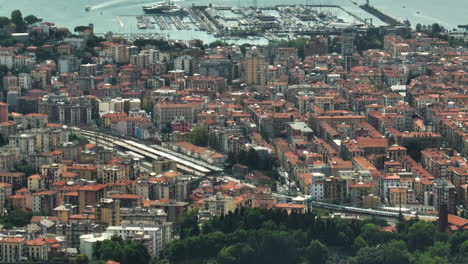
(103, 13)
(244, 24)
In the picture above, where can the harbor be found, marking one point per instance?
(256, 25)
(103, 13)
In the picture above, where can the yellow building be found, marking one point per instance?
(253, 70)
(63, 212)
(35, 183)
(108, 212)
(108, 118)
(398, 195)
(86, 171)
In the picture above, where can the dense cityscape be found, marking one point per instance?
(343, 143)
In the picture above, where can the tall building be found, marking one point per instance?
(10, 82)
(183, 63)
(24, 81)
(108, 212)
(69, 64)
(216, 67)
(253, 68)
(3, 112)
(78, 113)
(88, 69)
(444, 194)
(347, 46)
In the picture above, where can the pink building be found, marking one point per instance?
(181, 126)
(3, 112)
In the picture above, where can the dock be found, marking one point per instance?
(384, 17)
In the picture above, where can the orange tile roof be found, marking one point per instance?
(36, 242)
(82, 167)
(82, 217)
(362, 185)
(69, 174)
(17, 196)
(306, 178)
(191, 147)
(45, 193)
(12, 240)
(89, 146)
(125, 196)
(171, 174)
(115, 115)
(93, 187)
(460, 223)
(284, 205)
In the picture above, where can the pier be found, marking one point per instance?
(385, 18)
(163, 25)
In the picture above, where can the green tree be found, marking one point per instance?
(436, 29)
(421, 235)
(428, 259)
(82, 259)
(189, 224)
(252, 158)
(31, 19)
(372, 234)
(134, 253)
(368, 255)
(15, 218)
(359, 243)
(418, 27)
(317, 252)
(238, 253)
(464, 248)
(217, 43)
(26, 169)
(78, 138)
(199, 136)
(395, 252)
(45, 54)
(80, 28)
(4, 21)
(17, 19)
(456, 240)
(125, 252)
(439, 249)
(231, 158)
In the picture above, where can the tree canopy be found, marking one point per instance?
(251, 235)
(4, 21)
(199, 136)
(78, 138)
(17, 19)
(80, 28)
(16, 218)
(31, 19)
(125, 252)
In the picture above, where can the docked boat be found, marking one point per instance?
(165, 7)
